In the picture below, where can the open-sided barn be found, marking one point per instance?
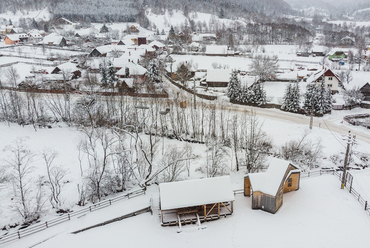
(267, 188)
(195, 201)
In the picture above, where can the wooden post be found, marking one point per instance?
(69, 217)
(90, 208)
(110, 202)
(19, 235)
(232, 207)
(365, 205)
(162, 215)
(218, 206)
(205, 212)
(46, 224)
(350, 188)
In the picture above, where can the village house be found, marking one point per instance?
(331, 80)
(68, 68)
(54, 39)
(195, 201)
(213, 50)
(365, 90)
(347, 41)
(36, 35)
(218, 77)
(130, 70)
(267, 188)
(11, 39)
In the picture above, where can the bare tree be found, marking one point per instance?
(98, 148)
(55, 174)
(264, 67)
(27, 204)
(256, 145)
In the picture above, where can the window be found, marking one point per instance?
(289, 182)
(330, 85)
(330, 78)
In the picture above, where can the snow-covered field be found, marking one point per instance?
(319, 214)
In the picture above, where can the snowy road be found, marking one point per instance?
(331, 122)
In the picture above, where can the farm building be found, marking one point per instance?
(195, 201)
(365, 90)
(218, 77)
(68, 68)
(216, 50)
(54, 39)
(267, 188)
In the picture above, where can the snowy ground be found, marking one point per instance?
(319, 214)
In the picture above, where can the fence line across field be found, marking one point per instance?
(32, 229)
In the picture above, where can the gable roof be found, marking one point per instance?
(157, 44)
(69, 66)
(134, 69)
(53, 38)
(218, 75)
(13, 37)
(195, 192)
(327, 72)
(269, 182)
(216, 50)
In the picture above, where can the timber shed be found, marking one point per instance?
(195, 201)
(267, 188)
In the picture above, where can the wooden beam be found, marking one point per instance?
(218, 206)
(232, 207)
(211, 209)
(226, 207)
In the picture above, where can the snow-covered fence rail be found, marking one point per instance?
(32, 229)
(316, 173)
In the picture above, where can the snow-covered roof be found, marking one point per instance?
(269, 182)
(214, 50)
(314, 77)
(195, 192)
(218, 75)
(148, 48)
(36, 33)
(134, 69)
(109, 48)
(53, 38)
(71, 67)
(13, 37)
(157, 44)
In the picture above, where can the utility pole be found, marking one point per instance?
(346, 159)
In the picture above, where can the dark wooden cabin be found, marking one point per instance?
(365, 90)
(195, 201)
(267, 188)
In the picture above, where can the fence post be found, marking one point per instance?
(46, 224)
(350, 188)
(90, 208)
(19, 235)
(320, 172)
(110, 202)
(308, 174)
(358, 197)
(69, 217)
(365, 205)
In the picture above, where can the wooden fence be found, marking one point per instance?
(32, 229)
(348, 184)
(207, 97)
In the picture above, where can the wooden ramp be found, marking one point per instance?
(141, 211)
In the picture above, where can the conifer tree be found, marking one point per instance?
(287, 98)
(154, 72)
(103, 75)
(234, 88)
(258, 94)
(309, 98)
(291, 101)
(111, 74)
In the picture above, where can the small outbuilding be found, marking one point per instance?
(267, 188)
(218, 77)
(195, 201)
(365, 90)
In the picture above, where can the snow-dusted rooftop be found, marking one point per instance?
(218, 75)
(134, 69)
(269, 182)
(53, 38)
(216, 50)
(195, 192)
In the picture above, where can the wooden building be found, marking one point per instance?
(331, 80)
(195, 201)
(218, 77)
(12, 39)
(365, 90)
(267, 188)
